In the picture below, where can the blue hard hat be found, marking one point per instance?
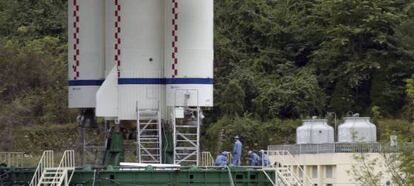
(224, 153)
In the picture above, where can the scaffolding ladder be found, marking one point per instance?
(187, 136)
(149, 139)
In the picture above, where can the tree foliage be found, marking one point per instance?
(302, 58)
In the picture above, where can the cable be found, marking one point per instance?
(94, 177)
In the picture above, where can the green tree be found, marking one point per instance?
(233, 104)
(361, 49)
(289, 96)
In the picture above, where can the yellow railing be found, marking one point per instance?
(206, 159)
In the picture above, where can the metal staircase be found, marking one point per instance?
(289, 172)
(279, 179)
(48, 175)
(187, 136)
(149, 138)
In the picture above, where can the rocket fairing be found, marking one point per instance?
(147, 54)
(85, 51)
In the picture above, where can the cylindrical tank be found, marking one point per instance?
(189, 52)
(85, 51)
(357, 129)
(138, 55)
(314, 131)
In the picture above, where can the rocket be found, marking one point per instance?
(126, 55)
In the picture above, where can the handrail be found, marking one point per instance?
(373, 147)
(269, 178)
(206, 159)
(277, 175)
(229, 158)
(295, 176)
(305, 177)
(12, 159)
(281, 155)
(67, 163)
(46, 161)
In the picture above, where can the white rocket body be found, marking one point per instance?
(85, 51)
(140, 54)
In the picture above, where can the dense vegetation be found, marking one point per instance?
(294, 59)
(276, 61)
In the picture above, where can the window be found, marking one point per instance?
(314, 171)
(330, 171)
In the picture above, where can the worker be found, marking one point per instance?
(264, 159)
(237, 150)
(221, 160)
(253, 159)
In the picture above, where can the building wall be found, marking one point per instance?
(331, 168)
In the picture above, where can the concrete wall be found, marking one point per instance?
(332, 168)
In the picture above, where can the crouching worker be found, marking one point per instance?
(221, 160)
(253, 159)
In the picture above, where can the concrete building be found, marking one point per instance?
(329, 164)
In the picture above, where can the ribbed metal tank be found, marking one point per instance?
(357, 129)
(315, 131)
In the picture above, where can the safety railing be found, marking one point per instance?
(66, 167)
(285, 158)
(46, 161)
(335, 148)
(207, 159)
(229, 158)
(279, 178)
(12, 159)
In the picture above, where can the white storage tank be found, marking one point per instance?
(85, 51)
(315, 131)
(357, 129)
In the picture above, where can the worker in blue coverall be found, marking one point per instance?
(237, 151)
(264, 159)
(221, 160)
(253, 159)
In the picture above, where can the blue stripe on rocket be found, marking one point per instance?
(146, 81)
